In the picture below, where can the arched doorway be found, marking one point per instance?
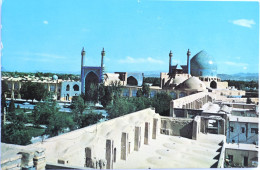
(91, 78)
(76, 87)
(213, 85)
(132, 81)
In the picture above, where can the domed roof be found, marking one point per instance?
(178, 80)
(204, 65)
(55, 77)
(192, 84)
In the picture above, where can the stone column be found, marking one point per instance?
(130, 92)
(137, 142)
(48, 87)
(172, 114)
(155, 122)
(12, 90)
(19, 87)
(124, 142)
(146, 133)
(109, 153)
(221, 127)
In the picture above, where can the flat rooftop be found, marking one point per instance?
(174, 152)
(241, 146)
(243, 119)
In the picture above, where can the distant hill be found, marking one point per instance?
(240, 76)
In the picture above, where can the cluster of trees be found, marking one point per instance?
(41, 74)
(15, 132)
(241, 85)
(123, 106)
(32, 91)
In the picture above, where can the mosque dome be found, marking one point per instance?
(203, 65)
(178, 80)
(192, 84)
(55, 77)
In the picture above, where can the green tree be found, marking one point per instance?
(78, 104)
(57, 123)
(42, 112)
(16, 132)
(11, 107)
(105, 95)
(139, 93)
(92, 93)
(40, 92)
(25, 90)
(120, 107)
(161, 103)
(33, 91)
(90, 119)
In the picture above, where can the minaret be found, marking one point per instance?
(170, 62)
(188, 61)
(82, 60)
(102, 64)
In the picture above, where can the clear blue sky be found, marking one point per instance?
(48, 35)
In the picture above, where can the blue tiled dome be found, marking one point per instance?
(55, 77)
(203, 65)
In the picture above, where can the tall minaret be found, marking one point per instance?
(188, 61)
(82, 60)
(102, 66)
(170, 62)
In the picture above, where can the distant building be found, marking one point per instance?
(242, 130)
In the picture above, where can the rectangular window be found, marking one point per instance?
(254, 130)
(231, 129)
(230, 157)
(243, 130)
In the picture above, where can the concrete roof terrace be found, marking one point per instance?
(175, 152)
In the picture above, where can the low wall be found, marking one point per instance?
(194, 101)
(176, 126)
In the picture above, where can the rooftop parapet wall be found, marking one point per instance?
(194, 101)
(106, 138)
(176, 126)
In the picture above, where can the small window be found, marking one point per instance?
(254, 130)
(243, 130)
(231, 129)
(230, 157)
(68, 88)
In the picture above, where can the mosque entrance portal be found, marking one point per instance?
(213, 85)
(91, 78)
(131, 81)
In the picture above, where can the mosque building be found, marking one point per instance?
(199, 75)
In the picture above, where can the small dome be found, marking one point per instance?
(178, 80)
(192, 84)
(203, 65)
(55, 77)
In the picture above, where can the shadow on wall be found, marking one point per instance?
(186, 130)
